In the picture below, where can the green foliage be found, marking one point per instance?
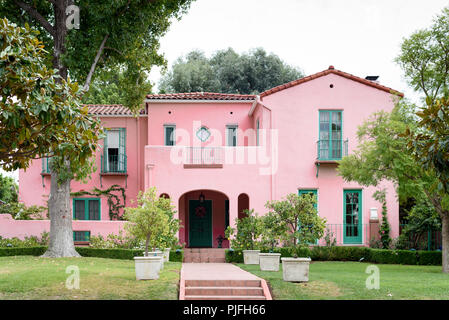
(8, 189)
(114, 202)
(423, 58)
(430, 258)
(176, 256)
(27, 242)
(272, 230)
(228, 72)
(40, 112)
(152, 220)
(299, 222)
(362, 254)
(22, 251)
(329, 238)
(249, 230)
(384, 230)
(19, 211)
(115, 241)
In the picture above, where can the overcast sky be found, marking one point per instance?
(361, 37)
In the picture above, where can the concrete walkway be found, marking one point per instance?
(220, 281)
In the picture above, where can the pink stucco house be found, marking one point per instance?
(215, 155)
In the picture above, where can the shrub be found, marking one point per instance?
(394, 256)
(115, 241)
(31, 241)
(249, 229)
(23, 251)
(235, 256)
(433, 258)
(176, 255)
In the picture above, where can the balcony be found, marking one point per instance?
(203, 157)
(113, 164)
(330, 151)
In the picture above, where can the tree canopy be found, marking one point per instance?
(228, 72)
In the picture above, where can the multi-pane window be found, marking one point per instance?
(330, 144)
(86, 209)
(169, 135)
(81, 236)
(114, 157)
(45, 165)
(352, 216)
(231, 135)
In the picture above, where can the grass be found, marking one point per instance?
(346, 280)
(27, 277)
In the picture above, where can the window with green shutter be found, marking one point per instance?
(330, 144)
(86, 209)
(114, 154)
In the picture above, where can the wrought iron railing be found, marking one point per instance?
(332, 149)
(429, 239)
(346, 234)
(204, 155)
(114, 164)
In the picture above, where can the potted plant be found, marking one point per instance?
(246, 237)
(169, 240)
(301, 226)
(271, 233)
(148, 221)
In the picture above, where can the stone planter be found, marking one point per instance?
(159, 254)
(295, 269)
(167, 254)
(251, 256)
(147, 268)
(269, 261)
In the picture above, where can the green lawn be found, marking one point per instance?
(26, 277)
(346, 280)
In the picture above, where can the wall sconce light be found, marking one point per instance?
(202, 198)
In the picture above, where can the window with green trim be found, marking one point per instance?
(87, 209)
(169, 134)
(114, 153)
(330, 144)
(81, 236)
(45, 163)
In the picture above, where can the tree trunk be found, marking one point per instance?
(147, 242)
(61, 234)
(445, 241)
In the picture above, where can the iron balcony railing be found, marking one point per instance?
(114, 164)
(204, 155)
(332, 149)
(346, 234)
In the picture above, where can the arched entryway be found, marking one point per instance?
(204, 216)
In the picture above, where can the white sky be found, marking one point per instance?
(361, 37)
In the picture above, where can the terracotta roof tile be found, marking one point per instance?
(331, 70)
(201, 96)
(111, 110)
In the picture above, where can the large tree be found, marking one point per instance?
(383, 154)
(424, 58)
(228, 72)
(111, 34)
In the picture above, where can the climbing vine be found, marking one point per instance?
(114, 201)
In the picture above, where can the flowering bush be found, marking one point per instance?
(32, 241)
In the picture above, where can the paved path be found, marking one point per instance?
(220, 281)
(215, 271)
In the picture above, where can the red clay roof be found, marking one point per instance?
(110, 110)
(331, 70)
(201, 96)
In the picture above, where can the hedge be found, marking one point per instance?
(124, 254)
(343, 253)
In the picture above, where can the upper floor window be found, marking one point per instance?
(330, 144)
(86, 209)
(45, 165)
(169, 135)
(114, 153)
(231, 135)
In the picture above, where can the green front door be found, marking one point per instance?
(352, 212)
(200, 223)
